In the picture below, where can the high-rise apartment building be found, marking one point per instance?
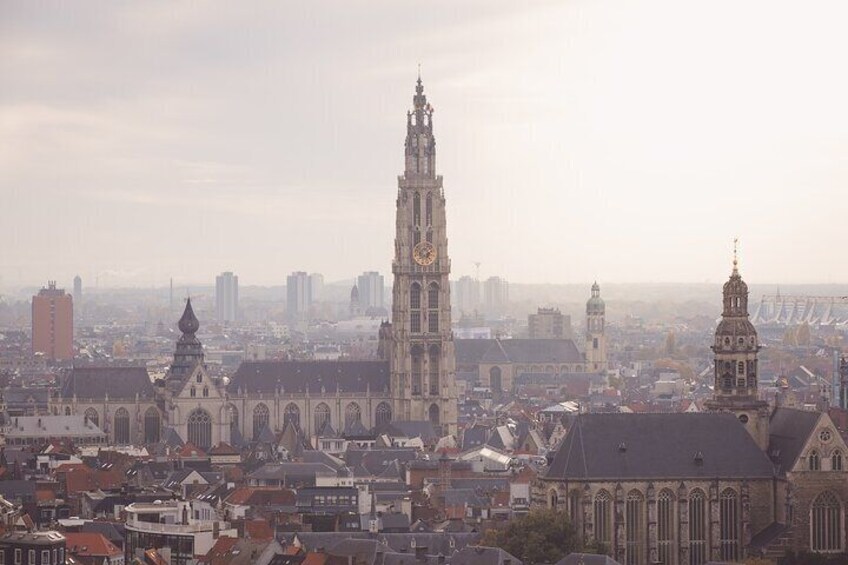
(226, 297)
(297, 295)
(467, 294)
(370, 286)
(316, 287)
(53, 323)
(549, 323)
(496, 296)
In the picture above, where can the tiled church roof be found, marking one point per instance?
(297, 376)
(116, 381)
(658, 446)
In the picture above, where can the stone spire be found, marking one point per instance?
(189, 351)
(420, 142)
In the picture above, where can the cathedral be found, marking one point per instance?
(414, 379)
(743, 479)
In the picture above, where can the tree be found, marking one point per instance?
(542, 536)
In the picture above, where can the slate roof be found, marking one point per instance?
(53, 427)
(97, 381)
(789, 430)
(297, 376)
(655, 446)
(410, 429)
(400, 542)
(496, 351)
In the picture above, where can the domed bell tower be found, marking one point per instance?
(735, 352)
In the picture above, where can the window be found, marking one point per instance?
(665, 527)
(152, 424)
(261, 416)
(91, 416)
(433, 366)
(206, 392)
(429, 208)
(45, 557)
(433, 321)
(292, 414)
(415, 308)
(740, 367)
(200, 429)
(697, 528)
(122, 426)
(635, 527)
(814, 461)
(826, 523)
(417, 363)
(836, 460)
(31, 556)
(603, 518)
(729, 525)
(199, 378)
(61, 555)
(553, 499)
(353, 414)
(3, 556)
(17, 557)
(193, 392)
(384, 413)
(574, 505)
(416, 210)
(322, 417)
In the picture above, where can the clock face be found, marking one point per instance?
(424, 253)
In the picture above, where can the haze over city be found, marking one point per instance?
(579, 141)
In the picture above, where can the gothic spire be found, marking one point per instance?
(188, 323)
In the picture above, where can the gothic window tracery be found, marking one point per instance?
(353, 414)
(122, 426)
(697, 528)
(665, 527)
(814, 461)
(200, 428)
(635, 527)
(322, 417)
(602, 507)
(152, 425)
(729, 525)
(836, 460)
(826, 523)
(92, 416)
(261, 416)
(383, 413)
(291, 414)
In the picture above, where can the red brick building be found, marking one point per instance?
(53, 323)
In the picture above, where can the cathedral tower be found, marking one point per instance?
(596, 341)
(736, 370)
(421, 349)
(189, 351)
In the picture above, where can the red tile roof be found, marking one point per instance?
(90, 544)
(258, 530)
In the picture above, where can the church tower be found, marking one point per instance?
(596, 341)
(189, 351)
(736, 370)
(421, 348)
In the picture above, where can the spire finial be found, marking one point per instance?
(735, 255)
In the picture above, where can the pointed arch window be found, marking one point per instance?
(433, 375)
(291, 415)
(602, 507)
(322, 417)
(416, 209)
(575, 502)
(417, 370)
(665, 527)
(697, 528)
(261, 416)
(434, 415)
(635, 528)
(729, 525)
(826, 533)
(200, 428)
(122, 426)
(353, 414)
(433, 306)
(553, 499)
(383, 414)
(415, 308)
(814, 461)
(429, 209)
(152, 425)
(92, 416)
(234, 419)
(836, 460)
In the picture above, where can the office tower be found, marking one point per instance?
(496, 296)
(370, 285)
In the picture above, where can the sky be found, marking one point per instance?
(578, 140)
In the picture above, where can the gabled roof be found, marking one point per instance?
(298, 376)
(480, 555)
(90, 544)
(789, 430)
(115, 381)
(654, 446)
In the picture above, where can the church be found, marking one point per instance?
(414, 379)
(743, 479)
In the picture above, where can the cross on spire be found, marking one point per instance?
(735, 255)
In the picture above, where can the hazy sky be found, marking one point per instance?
(620, 140)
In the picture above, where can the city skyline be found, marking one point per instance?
(548, 159)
